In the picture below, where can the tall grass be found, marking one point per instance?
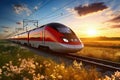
(18, 63)
(108, 50)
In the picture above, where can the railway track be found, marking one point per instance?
(104, 64)
(99, 63)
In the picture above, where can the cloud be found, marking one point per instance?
(115, 26)
(72, 11)
(108, 13)
(90, 8)
(103, 28)
(54, 8)
(115, 19)
(19, 9)
(36, 8)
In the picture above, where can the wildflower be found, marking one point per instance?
(47, 65)
(10, 62)
(59, 76)
(45, 62)
(7, 74)
(0, 71)
(117, 74)
(24, 78)
(8, 68)
(42, 77)
(19, 59)
(16, 69)
(62, 66)
(53, 76)
(107, 78)
(54, 70)
(32, 66)
(31, 71)
(33, 74)
(36, 77)
(41, 65)
(36, 63)
(77, 65)
(7, 64)
(113, 77)
(3, 67)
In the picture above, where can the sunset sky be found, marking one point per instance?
(87, 18)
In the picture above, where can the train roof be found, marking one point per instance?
(53, 25)
(56, 25)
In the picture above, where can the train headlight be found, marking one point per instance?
(65, 40)
(76, 40)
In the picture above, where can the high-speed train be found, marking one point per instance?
(55, 36)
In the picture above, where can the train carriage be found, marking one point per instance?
(55, 36)
(36, 37)
(23, 38)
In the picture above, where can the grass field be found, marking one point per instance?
(103, 49)
(18, 63)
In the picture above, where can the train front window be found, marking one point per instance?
(64, 30)
(61, 28)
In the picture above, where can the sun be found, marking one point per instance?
(91, 32)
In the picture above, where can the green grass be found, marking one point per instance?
(2, 41)
(9, 51)
(18, 63)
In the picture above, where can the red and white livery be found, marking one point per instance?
(55, 36)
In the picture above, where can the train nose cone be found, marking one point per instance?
(71, 48)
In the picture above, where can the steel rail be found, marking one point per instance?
(109, 65)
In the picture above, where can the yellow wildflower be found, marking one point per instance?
(0, 71)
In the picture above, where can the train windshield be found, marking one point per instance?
(64, 30)
(61, 28)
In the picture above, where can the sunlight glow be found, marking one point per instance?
(91, 32)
